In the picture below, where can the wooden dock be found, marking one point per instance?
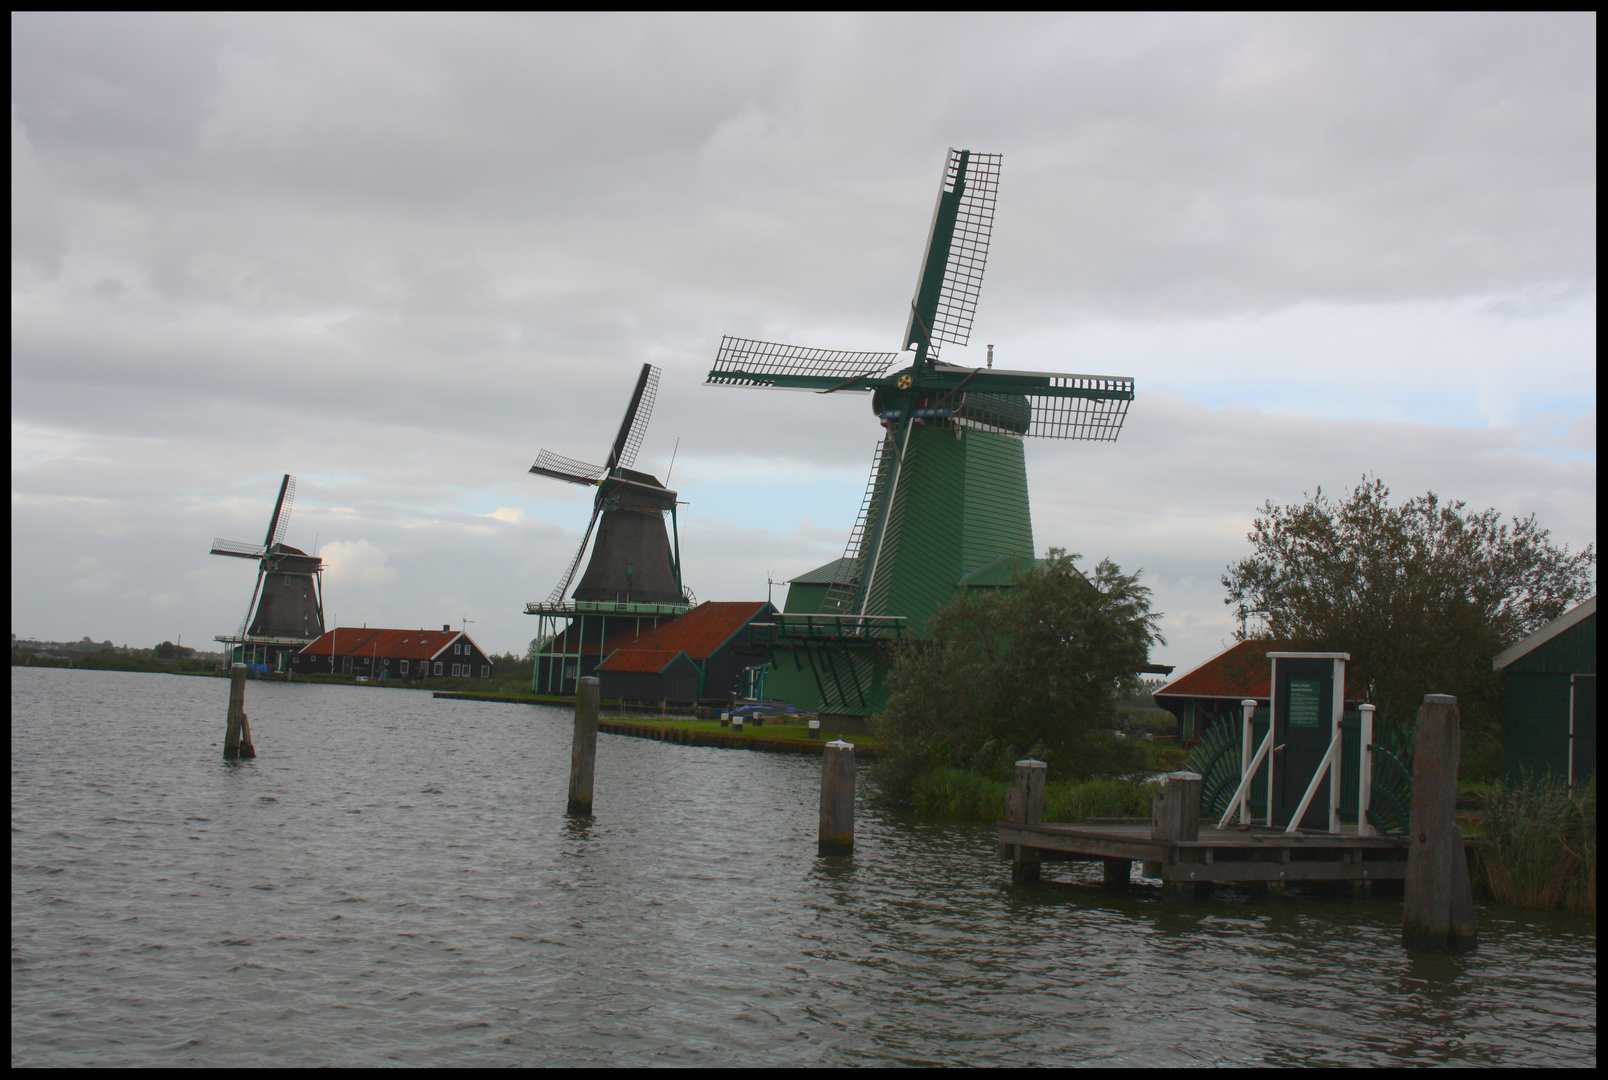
(1254, 854)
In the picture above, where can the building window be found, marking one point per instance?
(455, 670)
(438, 667)
(404, 666)
(485, 671)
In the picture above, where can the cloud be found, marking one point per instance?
(398, 255)
(355, 562)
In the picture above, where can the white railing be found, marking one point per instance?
(1242, 794)
(1329, 766)
(1365, 770)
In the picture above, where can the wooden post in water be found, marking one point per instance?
(583, 752)
(237, 733)
(836, 834)
(1175, 816)
(1438, 907)
(1025, 804)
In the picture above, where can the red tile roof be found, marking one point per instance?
(1240, 672)
(402, 644)
(699, 633)
(651, 661)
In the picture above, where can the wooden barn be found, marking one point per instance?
(394, 655)
(699, 656)
(1549, 722)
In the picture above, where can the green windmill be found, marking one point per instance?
(946, 505)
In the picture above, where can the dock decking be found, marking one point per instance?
(1253, 854)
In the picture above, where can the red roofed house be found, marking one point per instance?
(699, 656)
(1213, 691)
(394, 655)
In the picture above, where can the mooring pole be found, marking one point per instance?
(1438, 908)
(583, 753)
(1175, 817)
(1024, 804)
(237, 733)
(836, 834)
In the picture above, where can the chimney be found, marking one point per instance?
(446, 626)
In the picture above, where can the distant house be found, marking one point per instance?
(699, 656)
(392, 655)
(1549, 722)
(1212, 692)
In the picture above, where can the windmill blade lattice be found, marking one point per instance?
(557, 595)
(286, 502)
(635, 425)
(568, 469)
(968, 250)
(745, 362)
(1044, 405)
(237, 548)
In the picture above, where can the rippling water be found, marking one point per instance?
(394, 881)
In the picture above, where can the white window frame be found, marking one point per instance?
(438, 667)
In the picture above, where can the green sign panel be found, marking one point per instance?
(1304, 702)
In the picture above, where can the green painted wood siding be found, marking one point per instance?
(961, 502)
(805, 598)
(1572, 652)
(1535, 728)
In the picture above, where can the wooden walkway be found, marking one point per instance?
(1254, 854)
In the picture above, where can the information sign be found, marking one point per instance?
(1305, 697)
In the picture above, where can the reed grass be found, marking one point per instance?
(1540, 847)
(960, 793)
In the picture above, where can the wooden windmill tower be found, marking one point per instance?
(287, 604)
(946, 503)
(633, 580)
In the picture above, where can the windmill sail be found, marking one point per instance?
(744, 362)
(567, 469)
(635, 425)
(1038, 404)
(278, 524)
(237, 548)
(845, 581)
(557, 595)
(957, 251)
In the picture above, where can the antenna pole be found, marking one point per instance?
(672, 461)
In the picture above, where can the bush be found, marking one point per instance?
(1540, 847)
(1040, 664)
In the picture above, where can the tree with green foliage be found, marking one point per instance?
(1039, 665)
(1422, 595)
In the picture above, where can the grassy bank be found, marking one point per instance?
(959, 793)
(1540, 847)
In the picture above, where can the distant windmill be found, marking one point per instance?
(287, 603)
(947, 494)
(635, 569)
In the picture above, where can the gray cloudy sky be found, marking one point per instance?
(398, 255)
